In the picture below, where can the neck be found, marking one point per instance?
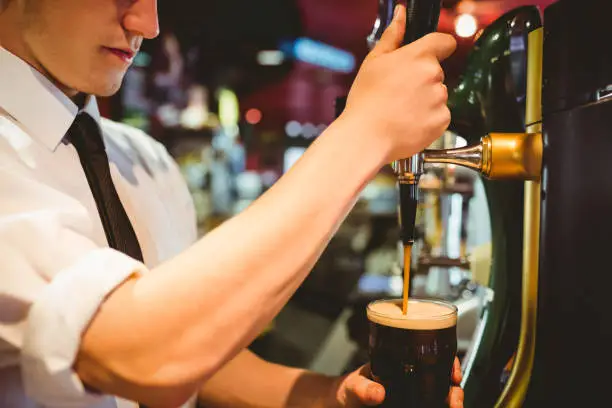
(80, 99)
(12, 40)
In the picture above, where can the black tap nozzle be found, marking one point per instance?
(409, 201)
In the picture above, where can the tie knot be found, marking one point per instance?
(84, 133)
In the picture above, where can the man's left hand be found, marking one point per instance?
(357, 390)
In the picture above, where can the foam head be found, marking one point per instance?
(421, 314)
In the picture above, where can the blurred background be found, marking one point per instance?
(237, 90)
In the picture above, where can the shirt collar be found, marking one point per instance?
(44, 111)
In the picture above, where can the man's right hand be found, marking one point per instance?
(398, 96)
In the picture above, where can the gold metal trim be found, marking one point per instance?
(498, 156)
(516, 388)
(515, 155)
(486, 155)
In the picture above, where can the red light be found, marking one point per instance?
(253, 116)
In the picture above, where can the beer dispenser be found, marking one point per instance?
(535, 105)
(489, 110)
(562, 154)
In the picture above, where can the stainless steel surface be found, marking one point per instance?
(408, 170)
(470, 157)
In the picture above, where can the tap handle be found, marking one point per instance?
(421, 19)
(383, 19)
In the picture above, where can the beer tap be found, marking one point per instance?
(497, 156)
(421, 18)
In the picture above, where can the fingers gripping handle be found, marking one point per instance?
(422, 18)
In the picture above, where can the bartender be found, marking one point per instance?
(106, 296)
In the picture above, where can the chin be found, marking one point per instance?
(106, 87)
(104, 92)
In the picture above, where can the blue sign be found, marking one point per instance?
(320, 54)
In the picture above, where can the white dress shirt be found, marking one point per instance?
(55, 264)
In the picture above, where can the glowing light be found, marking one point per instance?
(270, 57)
(253, 116)
(293, 128)
(309, 131)
(320, 54)
(466, 25)
(229, 108)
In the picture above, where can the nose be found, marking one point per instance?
(141, 19)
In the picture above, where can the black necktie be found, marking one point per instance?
(86, 137)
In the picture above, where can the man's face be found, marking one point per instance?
(86, 45)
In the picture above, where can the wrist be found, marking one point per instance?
(362, 134)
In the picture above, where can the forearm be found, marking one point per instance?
(193, 314)
(248, 381)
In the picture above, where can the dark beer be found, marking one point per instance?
(412, 355)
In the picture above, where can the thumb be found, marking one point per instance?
(440, 45)
(364, 391)
(394, 34)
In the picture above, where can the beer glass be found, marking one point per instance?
(412, 355)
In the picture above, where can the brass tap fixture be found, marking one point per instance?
(498, 156)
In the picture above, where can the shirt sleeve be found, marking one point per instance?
(54, 276)
(58, 317)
